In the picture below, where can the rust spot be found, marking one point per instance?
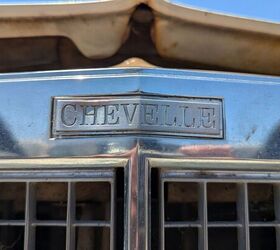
(174, 45)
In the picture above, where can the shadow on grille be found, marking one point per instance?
(50, 238)
(51, 201)
(230, 213)
(11, 237)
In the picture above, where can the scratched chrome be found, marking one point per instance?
(251, 135)
(164, 115)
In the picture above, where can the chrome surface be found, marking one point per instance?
(251, 122)
(250, 143)
(165, 115)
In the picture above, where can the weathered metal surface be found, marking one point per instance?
(99, 28)
(216, 45)
(87, 32)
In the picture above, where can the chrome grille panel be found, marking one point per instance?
(251, 223)
(84, 224)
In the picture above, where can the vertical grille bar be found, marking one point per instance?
(112, 212)
(243, 216)
(203, 235)
(30, 210)
(162, 215)
(276, 188)
(71, 214)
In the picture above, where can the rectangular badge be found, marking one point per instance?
(137, 114)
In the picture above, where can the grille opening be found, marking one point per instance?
(181, 239)
(222, 201)
(222, 238)
(262, 238)
(261, 202)
(93, 201)
(51, 201)
(50, 238)
(12, 201)
(181, 201)
(92, 238)
(11, 237)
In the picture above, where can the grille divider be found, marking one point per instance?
(12, 223)
(162, 215)
(243, 216)
(30, 210)
(276, 189)
(91, 224)
(112, 212)
(225, 224)
(71, 214)
(54, 223)
(202, 214)
(171, 224)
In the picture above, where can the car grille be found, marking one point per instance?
(142, 189)
(219, 210)
(58, 209)
(189, 209)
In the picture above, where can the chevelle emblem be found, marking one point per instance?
(132, 114)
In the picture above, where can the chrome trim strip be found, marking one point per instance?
(216, 164)
(61, 163)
